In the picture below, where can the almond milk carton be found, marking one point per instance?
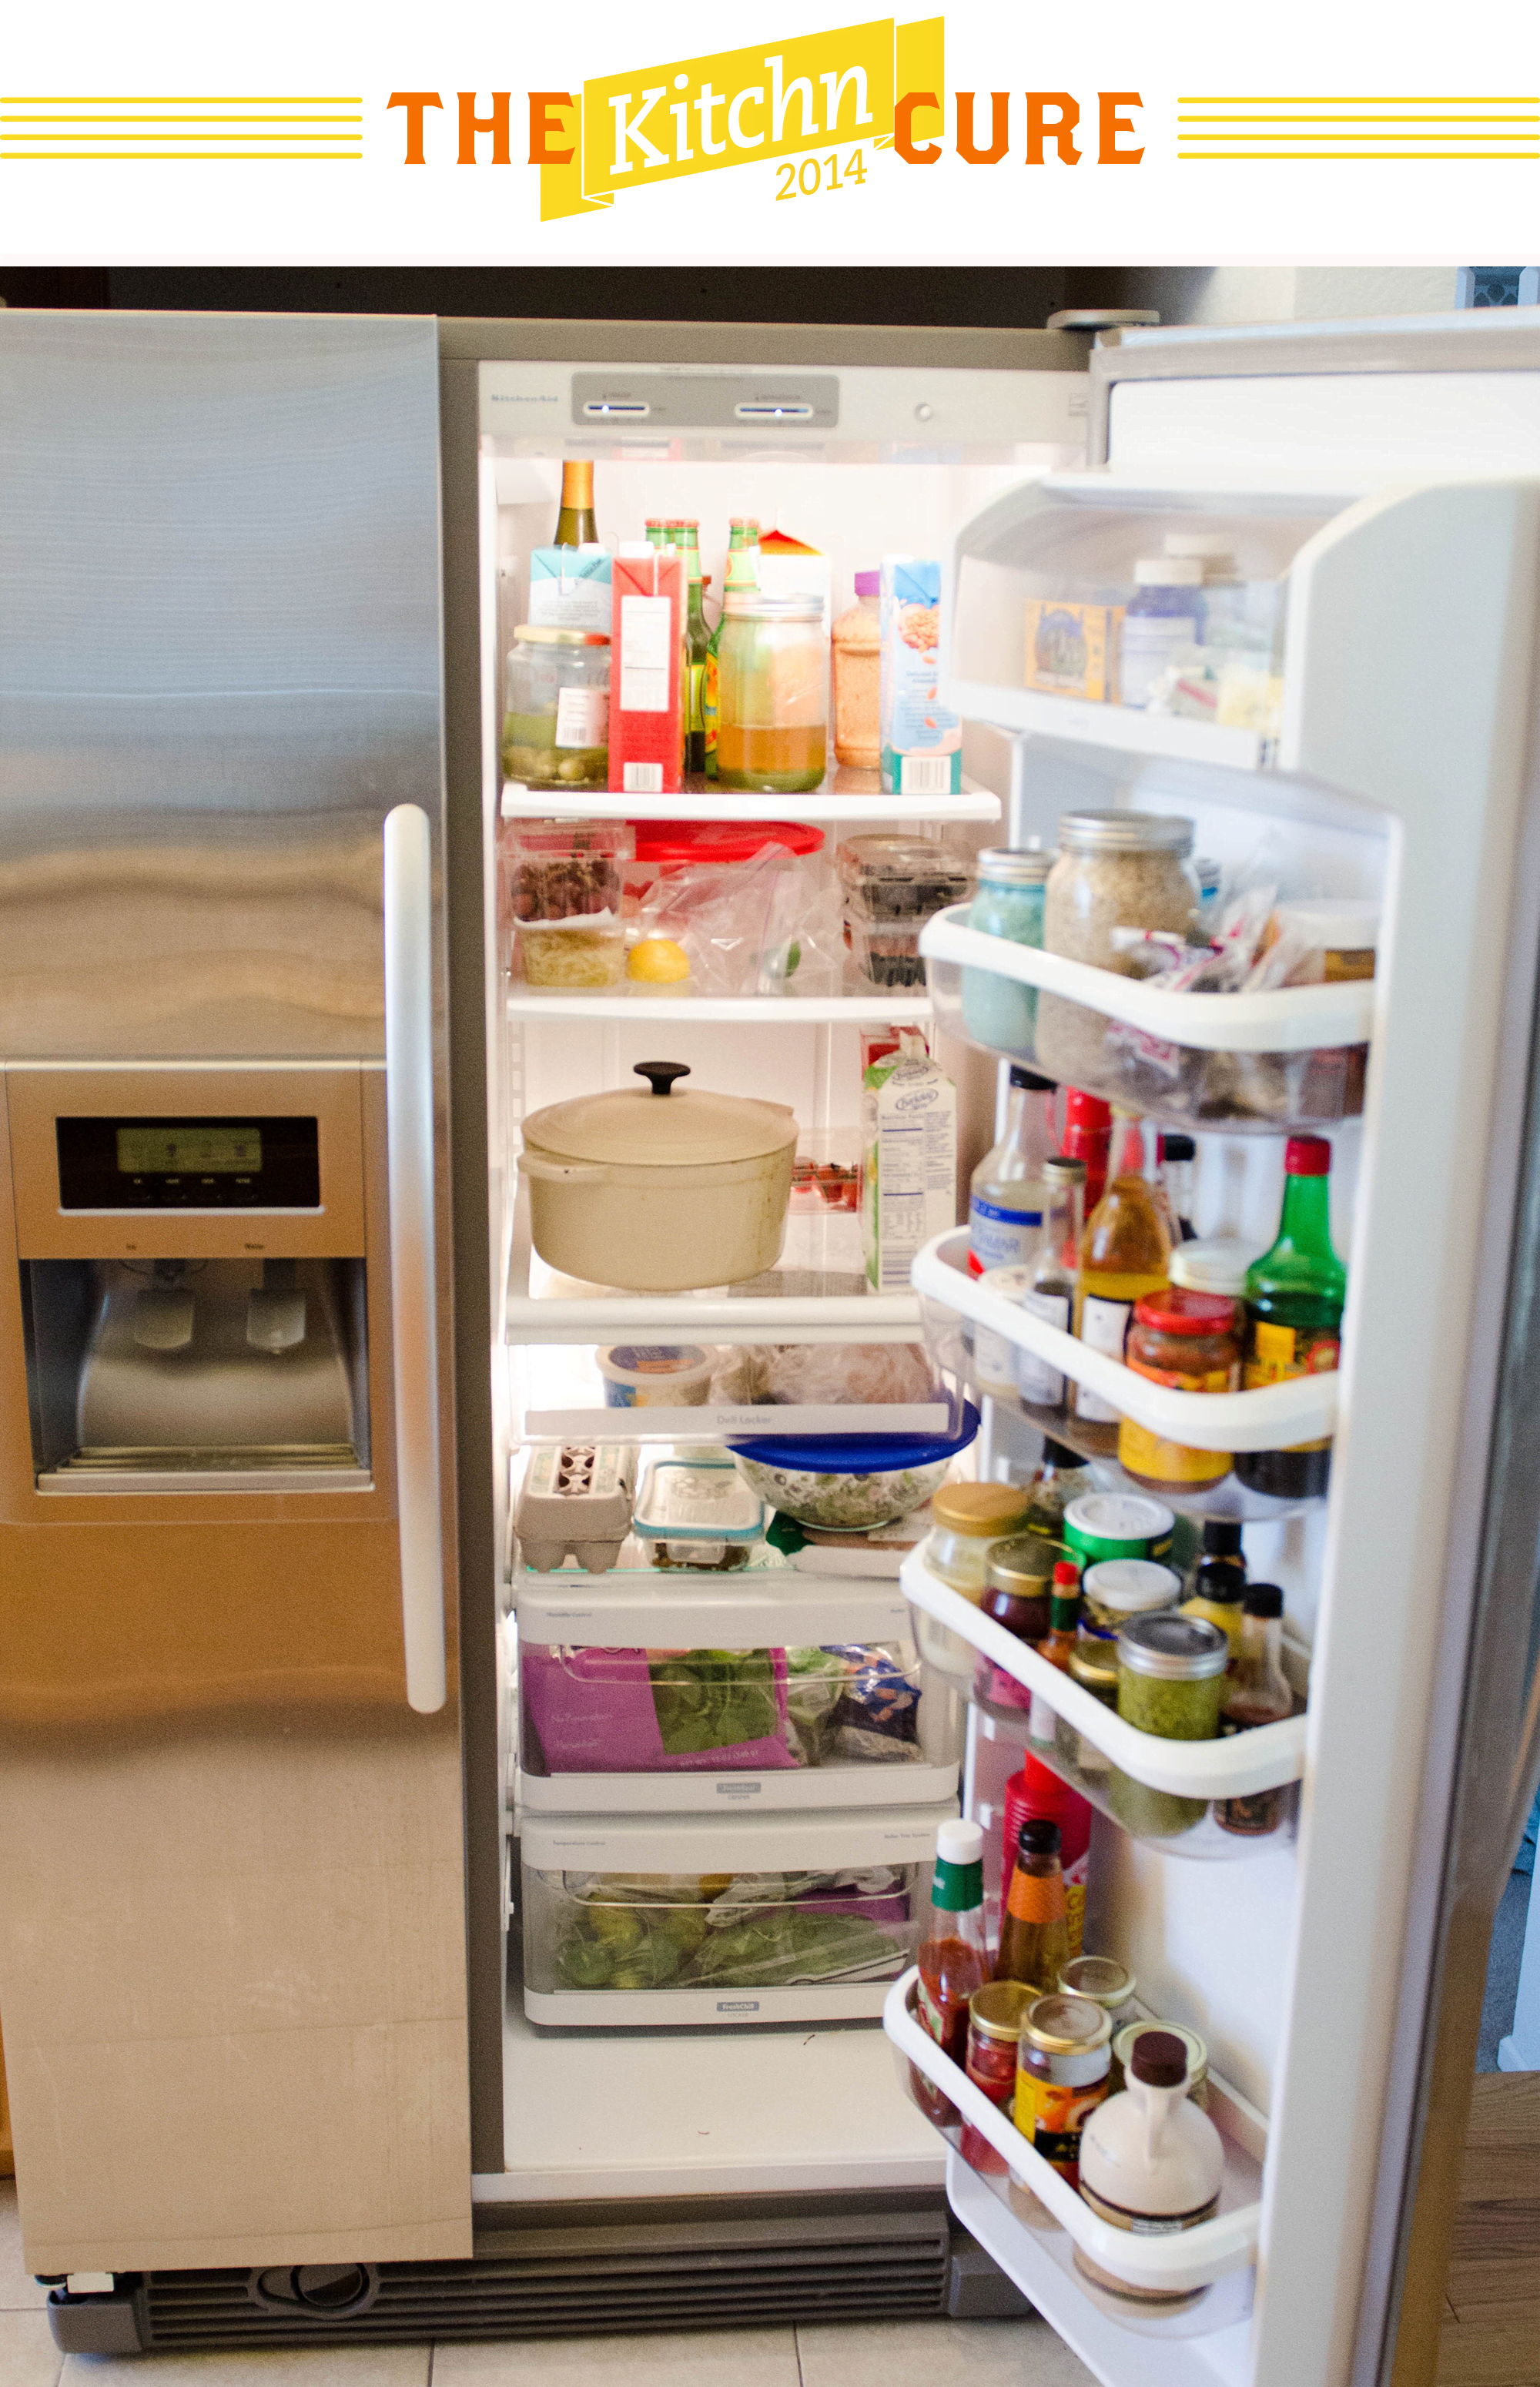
(909, 1157)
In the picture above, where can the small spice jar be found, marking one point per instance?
(556, 717)
(1117, 1525)
(1062, 2064)
(1018, 1576)
(966, 1518)
(1106, 1982)
(1007, 901)
(1171, 1675)
(1114, 870)
(994, 2030)
(1189, 1342)
(1197, 2058)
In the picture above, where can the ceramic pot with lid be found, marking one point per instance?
(658, 1191)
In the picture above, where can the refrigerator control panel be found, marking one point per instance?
(204, 1163)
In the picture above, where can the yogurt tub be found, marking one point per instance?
(656, 1375)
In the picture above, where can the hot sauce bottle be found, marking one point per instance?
(953, 1957)
(1034, 1932)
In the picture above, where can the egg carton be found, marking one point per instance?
(575, 1501)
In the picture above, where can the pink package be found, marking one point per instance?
(589, 1711)
(881, 1909)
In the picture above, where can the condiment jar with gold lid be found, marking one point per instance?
(966, 1519)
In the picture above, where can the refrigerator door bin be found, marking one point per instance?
(1239, 1767)
(1230, 1064)
(1041, 2205)
(691, 1699)
(726, 1920)
(1272, 1416)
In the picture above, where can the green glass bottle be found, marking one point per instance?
(697, 646)
(742, 573)
(1294, 1297)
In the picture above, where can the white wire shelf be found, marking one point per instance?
(1185, 2260)
(1274, 1417)
(845, 795)
(1237, 1767)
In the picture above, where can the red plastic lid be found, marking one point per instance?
(714, 842)
(1307, 1155)
(1175, 1311)
(1067, 1573)
(1087, 1110)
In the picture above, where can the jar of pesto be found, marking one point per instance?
(1171, 1675)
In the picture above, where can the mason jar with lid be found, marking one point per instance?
(556, 716)
(772, 693)
(1008, 902)
(1114, 870)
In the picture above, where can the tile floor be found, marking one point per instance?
(874, 2354)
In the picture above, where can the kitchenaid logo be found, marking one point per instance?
(880, 85)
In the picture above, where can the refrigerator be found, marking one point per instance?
(284, 1872)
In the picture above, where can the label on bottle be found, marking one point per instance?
(1035, 1897)
(999, 1235)
(1052, 2115)
(1278, 1353)
(1035, 1380)
(583, 716)
(1150, 642)
(1103, 1325)
(1149, 2225)
(709, 705)
(645, 638)
(1155, 1460)
(946, 2020)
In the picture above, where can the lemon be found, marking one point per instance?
(658, 961)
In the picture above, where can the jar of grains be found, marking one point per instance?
(1008, 902)
(1114, 870)
(1189, 1342)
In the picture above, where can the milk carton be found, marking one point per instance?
(922, 743)
(909, 1154)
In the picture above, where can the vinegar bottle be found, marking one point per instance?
(1006, 1193)
(1125, 1251)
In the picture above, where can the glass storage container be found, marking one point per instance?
(1008, 900)
(556, 707)
(772, 693)
(562, 897)
(1114, 870)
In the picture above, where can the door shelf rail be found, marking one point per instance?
(1187, 2260)
(870, 1007)
(1112, 728)
(1282, 1019)
(1274, 1417)
(845, 795)
(1237, 1767)
(1097, 1445)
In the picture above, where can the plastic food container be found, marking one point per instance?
(850, 1482)
(641, 1710)
(892, 886)
(659, 1192)
(556, 717)
(697, 1512)
(656, 1375)
(562, 897)
(722, 1919)
(1117, 1525)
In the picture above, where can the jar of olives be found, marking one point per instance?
(556, 715)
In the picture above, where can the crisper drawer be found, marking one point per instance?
(767, 1691)
(735, 1919)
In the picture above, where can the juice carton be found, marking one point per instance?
(569, 587)
(646, 726)
(909, 1160)
(922, 743)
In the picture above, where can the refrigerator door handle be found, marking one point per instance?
(413, 1258)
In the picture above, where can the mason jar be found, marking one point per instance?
(772, 693)
(556, 707)
(1008, 902)
(1114, 870)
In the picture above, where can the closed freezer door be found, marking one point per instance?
(232, 1953)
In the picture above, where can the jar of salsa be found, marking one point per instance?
(994, 2027)
(1192, 1342)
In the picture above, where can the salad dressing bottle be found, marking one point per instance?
(1125, 1252)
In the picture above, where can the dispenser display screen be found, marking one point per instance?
(192, 1151)
(188, 1164)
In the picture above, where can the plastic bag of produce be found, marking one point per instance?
(589, 1711)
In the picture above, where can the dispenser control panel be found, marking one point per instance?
(193, 1164)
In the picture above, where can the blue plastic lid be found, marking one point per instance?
(858, 1454)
